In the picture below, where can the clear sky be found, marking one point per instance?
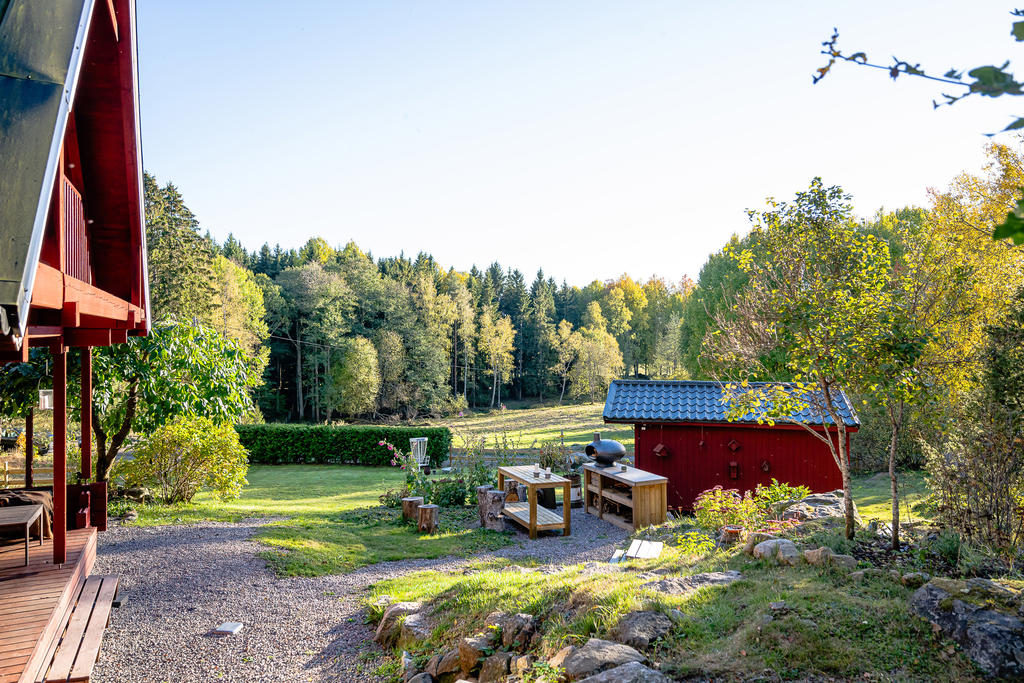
(587, 138)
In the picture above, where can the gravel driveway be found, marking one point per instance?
(179, 582)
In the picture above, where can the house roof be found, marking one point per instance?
(664, 401)
(42, 46)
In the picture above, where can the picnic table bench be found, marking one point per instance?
(526, 513)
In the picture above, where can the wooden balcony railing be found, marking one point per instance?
(76, 239)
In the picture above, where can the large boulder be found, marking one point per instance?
(816, 506)
(473, 650)
(781, 550)
(755, 537)
(495, 668)
(390, 627)
(634, 672)
(681, 585)
(416, 628)
(639, 629)
(593, 658)
(982, 616)
(444, 666)
(517, 630)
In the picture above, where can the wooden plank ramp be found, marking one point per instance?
(546, 519)
(36, 601)
(77, 650)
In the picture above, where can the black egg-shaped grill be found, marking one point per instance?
(605, 451)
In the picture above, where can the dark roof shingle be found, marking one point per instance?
(635, 400)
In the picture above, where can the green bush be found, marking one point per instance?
(448, 492)
(183, 456)
(718, 507)
(768, 496)
(274, 444)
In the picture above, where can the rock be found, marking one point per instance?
(633, 672)
(862, 574)
(130, 515)
(895, 575)
(139, 494)
(678, 616)
(390, 627)
(441, 665)
(472, 650)
(780, 550)
(593, 658)
(416, 628)
(408, 666)
(421, 678)
(819, 557)
(978, 614)
(495, 668)
(779, 606)
(754, 538)
(680, 585)
(818, 506)
(846, 562)
(518, 630)
(521, 664)
(638, 629)
(915, 579)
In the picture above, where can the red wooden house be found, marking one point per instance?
(72, 275)
(681, 433)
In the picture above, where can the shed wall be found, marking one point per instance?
(792, 455)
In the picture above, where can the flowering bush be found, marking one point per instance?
(718, 507)
(776, 492)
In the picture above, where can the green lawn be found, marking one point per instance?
(529, 427)
(331, 526)
(830, 627)
(871, 493)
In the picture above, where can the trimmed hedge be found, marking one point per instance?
(281, 444)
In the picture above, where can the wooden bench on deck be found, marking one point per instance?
(73, 655)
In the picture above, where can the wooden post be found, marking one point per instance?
(429, 516)
(409, 506)
(86, 414)
(567, 508)
(30, 449)
(532, 494)
(60, 446)
(481, 502)
(492, 504)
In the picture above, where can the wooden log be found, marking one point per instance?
(481, 500)
(512, 491)
(409, 506)
(492, 504)
(429, 515)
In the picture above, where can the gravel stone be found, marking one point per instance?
(182, 581)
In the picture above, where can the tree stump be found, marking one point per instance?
(429, 515)
(512, 491)
(493, 503)
(481, 500)
(409, 506)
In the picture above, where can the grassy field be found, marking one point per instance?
(529, 427)
(874, 501)
(830, 627)
(334, 523)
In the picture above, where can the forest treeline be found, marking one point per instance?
(340, 334)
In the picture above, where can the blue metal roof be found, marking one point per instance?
(639, 400)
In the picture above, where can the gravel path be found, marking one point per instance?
(179, 582)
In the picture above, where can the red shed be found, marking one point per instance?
(682, 433)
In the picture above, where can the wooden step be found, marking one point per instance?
(74, 655)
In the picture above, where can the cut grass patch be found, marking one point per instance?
(334, 522)
(314, 545)
(874, 500)
(830, 626)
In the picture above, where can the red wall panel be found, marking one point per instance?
(698, 458)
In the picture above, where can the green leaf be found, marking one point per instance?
(1013, 226)
(1018, 30)
(1017, 123)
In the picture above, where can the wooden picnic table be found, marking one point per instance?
(526, 513)
(24, 516)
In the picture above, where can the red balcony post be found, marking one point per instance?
(60, 449)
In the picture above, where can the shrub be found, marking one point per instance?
(768, 496)
(718, 507)
(695, 543)
(183, 456)
(392, 498)
(448, 492)
(274, 444)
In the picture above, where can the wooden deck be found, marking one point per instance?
(36, 601)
